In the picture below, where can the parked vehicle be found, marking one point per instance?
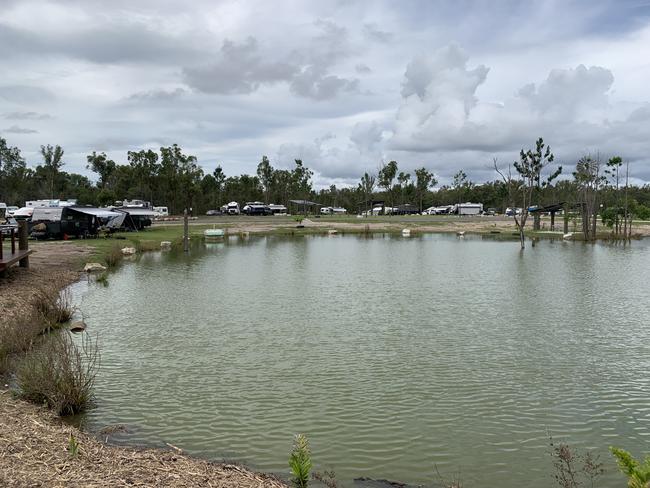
(467, 208)
(232, 208)
(213, 212)
(256, 208)
(278, 209)
(11, 209)
(161, 211)
(133, 203)
(513, 211)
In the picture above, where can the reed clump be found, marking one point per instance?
(113, 257)
(59, 372)
(53, 307)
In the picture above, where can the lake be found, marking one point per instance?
(395, 356)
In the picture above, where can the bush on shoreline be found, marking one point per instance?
(59, 373)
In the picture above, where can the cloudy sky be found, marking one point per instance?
(343, 85)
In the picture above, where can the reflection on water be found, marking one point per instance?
(393, 355)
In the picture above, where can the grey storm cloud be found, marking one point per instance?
(26, 116)
(25, 93)
(106, 42)
(14, 129)
(158, 95)
(242, 69)
(373, 32)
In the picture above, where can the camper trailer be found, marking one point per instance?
(50, 203)
(467, 209)
(278, 209)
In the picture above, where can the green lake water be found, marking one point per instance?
(393, 355)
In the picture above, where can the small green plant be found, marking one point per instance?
(638, 474)
(300, 462)
(102, 279)
(73, 446)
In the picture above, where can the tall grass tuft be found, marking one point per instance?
(17, 335)
(53, 307)
(113, 256)
(59, 373)
(300, 462)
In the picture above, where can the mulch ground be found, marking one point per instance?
(34, 452)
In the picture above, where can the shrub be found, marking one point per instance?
(113, 256)
(300, 462)
(17, 335)
(59, 373)
(572, 468)
(638, 474)
(53, 307)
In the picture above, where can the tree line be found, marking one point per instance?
(175, 179)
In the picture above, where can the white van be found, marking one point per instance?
(161, 211)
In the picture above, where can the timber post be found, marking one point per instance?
(23, 243)
(186, 232)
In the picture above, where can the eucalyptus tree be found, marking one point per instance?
(424, 180)
(104, 167)
(14, 175)
(403, 180)
(265, 174)
(529, 169)
(52, 163)
(387, 175)
(590, 180)
(366, 187)
(219, 180)
(612, 172)
(145, 168)
(460, 184)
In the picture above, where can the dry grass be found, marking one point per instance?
(54, 307)
(59, 373)
(113, 256)
(34, 451)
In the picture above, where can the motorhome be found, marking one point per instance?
(232, 208)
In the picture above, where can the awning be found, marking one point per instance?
(306, 203)
(137, 211)
(96, 212)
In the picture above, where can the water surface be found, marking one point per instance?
(393, 355)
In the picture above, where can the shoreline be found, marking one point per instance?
(35, 442)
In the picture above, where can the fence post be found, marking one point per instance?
(186, 232)
(23, 243)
